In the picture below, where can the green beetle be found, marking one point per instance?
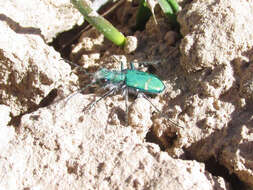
(130, 78)
(127, 80)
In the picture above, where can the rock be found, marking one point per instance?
(7, 133)
(236, 156)
(4, 115)
(131, 44)
(171, 37)
(56, 145)
(42, 18)
(246, 83)
(60, 147)
(216, 113)
(140, 116)
(30, 69)
(219, 81)
(214, 32)
(204, 100)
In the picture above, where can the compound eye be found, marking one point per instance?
(103, 80)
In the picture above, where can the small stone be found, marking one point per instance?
(131, 44)
(170, 37)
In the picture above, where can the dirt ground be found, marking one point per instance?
(200, 139)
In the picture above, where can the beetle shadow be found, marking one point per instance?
(15, 26)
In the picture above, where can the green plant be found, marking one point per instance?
(100, 23)
(143, 15)
(146, 7)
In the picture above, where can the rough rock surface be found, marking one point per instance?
(217, 44)
(206, 104)
(46, 18)
(246, 83)
(6, 132)
(30, 69)
(63, 148)
(215, 32)
(4, 115)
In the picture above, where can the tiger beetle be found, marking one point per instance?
(127, 80)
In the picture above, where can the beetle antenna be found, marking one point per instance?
(173, 123)
(121, 63)
(115, 58)
(78, 91)
(126, 104)
(76, 66)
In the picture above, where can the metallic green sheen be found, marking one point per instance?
(112, 76)
(143, 81)
(135, 79)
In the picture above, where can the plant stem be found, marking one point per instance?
(174, 6)
(168, 11)
(143, 15)
(101, 24)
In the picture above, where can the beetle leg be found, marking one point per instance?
(121, 66)
(173, 123)
(66, 99)
(76, 66)
(126, 104)
(132, 66)
(121, 63)
(108, 93)
(144, 96)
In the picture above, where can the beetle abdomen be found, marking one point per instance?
(143, 81)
